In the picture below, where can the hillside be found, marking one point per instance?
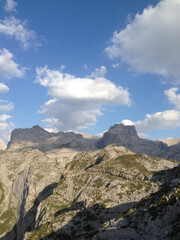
(82, 195)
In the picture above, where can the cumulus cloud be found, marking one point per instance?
(127, 122)
(143, 135)
(98, 72)
(161, 120)
(150, 42)
(4, 117)
(3, 88)
(12, 27)
(5, 127)
(76, 102)
(5, 106)
(9, 68)
(10, 5)
(5, 130)
(173, 97)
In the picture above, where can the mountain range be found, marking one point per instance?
(119, 134)
(72, 186)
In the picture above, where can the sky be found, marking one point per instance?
(85, 65)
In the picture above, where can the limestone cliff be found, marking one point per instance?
(119, 134)
(66, 194)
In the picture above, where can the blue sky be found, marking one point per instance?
(85, 65)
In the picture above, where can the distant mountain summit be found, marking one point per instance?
(126, 136)
(34, 134)
(118, 134)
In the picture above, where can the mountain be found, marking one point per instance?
(119, 134)
(170, 141)
(127, 136)
(38, 138)
(71, 186)
(110, 193)
(28, 137)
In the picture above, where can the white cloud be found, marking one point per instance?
(16, 28)
(5, 106)
(5, 127)
(76, 102)
(159, 120)
(150, 43)
(4, 117)
(98, 72)
(143, 135)
(127, 122)
(8, 68)
(173, 97)
(5, 130)
(3, 88)
(10, 5)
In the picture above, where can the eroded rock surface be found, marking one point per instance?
(65, 194)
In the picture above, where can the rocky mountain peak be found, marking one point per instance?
(127, 130)
(120, 134)
(35, 134)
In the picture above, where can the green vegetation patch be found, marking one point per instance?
(98, 183)
(7, 220)
(40, 233)
(2, 196)
(39, 177)
(81, 161)
(129, 162)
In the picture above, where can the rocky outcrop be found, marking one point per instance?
(119, 134)
(127, 136)
(28, 136)
(66, 194)
(38, 138)
(68, 140)
(173, 152)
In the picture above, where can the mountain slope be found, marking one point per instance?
(119, 134)
(76, 196)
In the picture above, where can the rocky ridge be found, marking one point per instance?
(76, 195)
(119, 134)
(70, 186)
(170, 141)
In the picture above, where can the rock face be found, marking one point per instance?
(68, 140)
(119, 134)
(38, 138)
(110, 193)
(28, 136)
(74, 187)
(173, 152)
(127, 136)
